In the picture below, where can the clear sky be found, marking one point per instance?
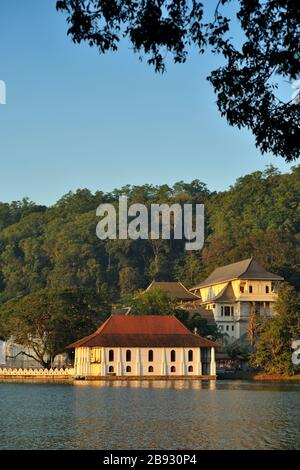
(75, 119)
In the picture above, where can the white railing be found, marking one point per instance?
(37, 372)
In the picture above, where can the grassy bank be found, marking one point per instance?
(264, 376)
(253, 375)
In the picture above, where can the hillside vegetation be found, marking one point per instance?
(56, 247)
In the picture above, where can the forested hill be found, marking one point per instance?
(57, 246)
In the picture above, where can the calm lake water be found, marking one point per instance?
(150, 415)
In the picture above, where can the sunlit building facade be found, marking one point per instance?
(236, 292)
(147, 345)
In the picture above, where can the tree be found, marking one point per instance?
(254, 324)
(258, 216)
(245, 85)
(189, 268)
(158, 302)
(153, 302)
(50, 319)
(273, 348)
(56, 247)
(236, 350)
(197, 324)
(130, 280)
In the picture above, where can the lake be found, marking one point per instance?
(150, 415)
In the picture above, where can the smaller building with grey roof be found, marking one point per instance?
(175, 289)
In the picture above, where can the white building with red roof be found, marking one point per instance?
(144, 346)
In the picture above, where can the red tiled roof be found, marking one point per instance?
(143, 331)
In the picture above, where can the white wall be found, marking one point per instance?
(2, 352)
(16, 360)
(139, 362)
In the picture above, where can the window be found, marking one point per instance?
(128, 369)
(267, 289)
(232, 328)
(173, 356)
(227, 327)
(227, 310)
(232, 310)
(242, 289)
(190, 355)
(273, 285)
(267, 304)
(250, 289)
(128, 355)
(93, 355)
(150, 355)
(150, 369)
(111, 355)
(190, 369)
(110, 369)
(222, 311)
(173, 369)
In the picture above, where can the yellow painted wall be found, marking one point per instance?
(258, 288)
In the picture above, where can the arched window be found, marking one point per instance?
(111, 369)
(150, 355)
(111, 355)
(128, 355)
(173, 369)
(190, 355)
(190, 369)
(128, 369)
(173, 356)
(150, 369)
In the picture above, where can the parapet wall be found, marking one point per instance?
(37, 373)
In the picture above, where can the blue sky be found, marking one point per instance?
(75, 119)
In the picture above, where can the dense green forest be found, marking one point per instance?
(57, 247)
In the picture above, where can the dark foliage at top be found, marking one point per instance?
(245, 85)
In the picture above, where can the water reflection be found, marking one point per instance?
(193, 384)
(175, 414)
(151, 384)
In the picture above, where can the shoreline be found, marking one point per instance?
(259, 376)
(241, 376)
(122, 378)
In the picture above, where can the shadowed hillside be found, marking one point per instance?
(57, 246)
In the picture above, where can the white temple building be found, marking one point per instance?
(144, 346)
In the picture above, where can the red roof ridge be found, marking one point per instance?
(125, 329)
